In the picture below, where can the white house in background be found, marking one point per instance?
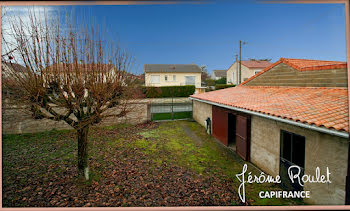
(218, 74)
(249, 68)
(173, 75)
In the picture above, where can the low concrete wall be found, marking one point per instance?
(321, 150)
(201, 111)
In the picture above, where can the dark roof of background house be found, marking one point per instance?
(321, 106)
(303, 65)
(256, 64)
(219, 73)
(170, 68)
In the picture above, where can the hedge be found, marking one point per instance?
(221, 81)
(169, 91)
(223, 86)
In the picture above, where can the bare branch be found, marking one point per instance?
(70, 67)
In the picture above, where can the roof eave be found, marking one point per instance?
(303, 125)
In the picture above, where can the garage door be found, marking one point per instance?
(220, 123)
(242, 142)
(221, 129)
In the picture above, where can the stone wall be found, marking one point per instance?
(321, 150)
(265, 145)
(18, 119)
(284, 75)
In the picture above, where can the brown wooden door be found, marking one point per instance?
(220, 124)
(242, 142)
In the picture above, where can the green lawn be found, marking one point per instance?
(159, 164)
(206, 156)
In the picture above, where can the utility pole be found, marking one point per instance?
(240, 59)
(236, 81)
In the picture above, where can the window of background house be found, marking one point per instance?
(293, 148)
(155, 79)
(190, 80)
(174, 77)
(166, 78)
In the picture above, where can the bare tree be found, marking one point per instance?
(8, 48)
(72, 74)
(204, 75)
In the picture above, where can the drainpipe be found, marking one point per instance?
(347, 180)
(347, 27)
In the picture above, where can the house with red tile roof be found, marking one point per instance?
(103, 72)
(292, 113)
(248, 69)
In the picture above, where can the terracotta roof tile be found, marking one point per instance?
(320, 106)
(303, 65)
(256, 64)
(308, 64)
(61, 67)
(15, 66)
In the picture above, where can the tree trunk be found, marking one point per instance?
(83, 168)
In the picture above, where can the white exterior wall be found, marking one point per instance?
(180, 79)
(249, 72)
(245, 73)
(214, 77)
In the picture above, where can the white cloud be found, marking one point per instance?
(9, 13)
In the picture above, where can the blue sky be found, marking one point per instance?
(208, 34)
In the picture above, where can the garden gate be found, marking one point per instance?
(170, 111)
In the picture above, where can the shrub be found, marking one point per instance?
(210, 82)
(223, 86)
(221, 81)
(169, 91)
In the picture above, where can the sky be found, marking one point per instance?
(209, 34)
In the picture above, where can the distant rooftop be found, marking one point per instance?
(172, 68)
(256, 64)
(87, 67)
(309, 64)
(219, 73)
(15, 66)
